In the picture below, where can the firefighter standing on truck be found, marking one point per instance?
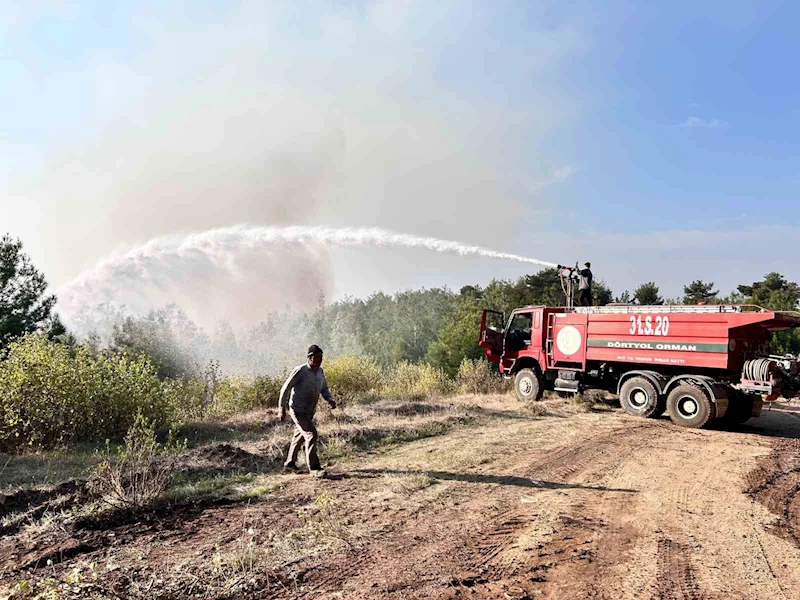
(300, 394)
(585, 286)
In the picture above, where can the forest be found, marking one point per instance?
(56, 388)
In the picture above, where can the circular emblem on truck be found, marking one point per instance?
(568, 340)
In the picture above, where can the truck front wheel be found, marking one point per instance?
(527, 385)
(689, 406)
(639, 397)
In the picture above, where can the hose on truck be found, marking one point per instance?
(757, 369)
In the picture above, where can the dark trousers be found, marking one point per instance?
(585, 298)
(304, 432)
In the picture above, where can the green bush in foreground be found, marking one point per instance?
(51, 394)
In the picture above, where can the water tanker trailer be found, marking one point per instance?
(697, 363)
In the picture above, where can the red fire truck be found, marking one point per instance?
(698, 363)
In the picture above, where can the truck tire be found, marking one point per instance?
(528, 386)
(639, 397)
(689, 406)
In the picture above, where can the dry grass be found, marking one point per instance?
(536, 409)
(386, 423)
(592, 400)
(407, 483)
(47, 524)
(263, 556)
(209, 486)
(43, 468)
(476, 377)
(582, 402)
(255, 558)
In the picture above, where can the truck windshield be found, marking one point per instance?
(519, 332)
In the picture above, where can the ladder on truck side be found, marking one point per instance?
(551, 324)
(622, 309)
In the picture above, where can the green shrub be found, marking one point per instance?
(187, 398)
(239, 393)
(408, 381)
(353, 378)
(52, 394)
(476, 377)
(217, 397)
(268, 389)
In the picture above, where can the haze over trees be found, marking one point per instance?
(434, 326)
(55, 389)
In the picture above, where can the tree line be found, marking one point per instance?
(437, 326)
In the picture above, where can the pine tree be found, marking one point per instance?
(24, 306)
(699, 291)
(648, 294)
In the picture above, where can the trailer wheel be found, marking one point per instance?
(527, 385)
(689, 406)
(639, 397)
(740, 408)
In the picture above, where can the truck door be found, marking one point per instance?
(518, 335)
(492, 334)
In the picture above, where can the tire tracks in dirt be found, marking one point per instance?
(676, 575)
(563, 533)
(687, 533)
(484, 538)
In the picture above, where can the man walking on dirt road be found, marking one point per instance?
(300, 394)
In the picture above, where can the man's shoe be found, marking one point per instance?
(319, 473)
(290, 468)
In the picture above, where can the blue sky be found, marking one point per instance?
(659, 140)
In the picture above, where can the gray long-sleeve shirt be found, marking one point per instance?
(302, 390)
(586, 279)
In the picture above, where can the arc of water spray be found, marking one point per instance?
(219, 243)
(374, 237)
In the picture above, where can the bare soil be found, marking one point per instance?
(572, 504)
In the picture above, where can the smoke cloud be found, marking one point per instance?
(387, 114)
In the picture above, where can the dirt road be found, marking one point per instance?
(567, 505)
(590, 506)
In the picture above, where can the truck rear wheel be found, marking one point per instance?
(689, 406)
(639, 397)
(528, 386)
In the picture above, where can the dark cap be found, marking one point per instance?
(588, 264)
(314, 349)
